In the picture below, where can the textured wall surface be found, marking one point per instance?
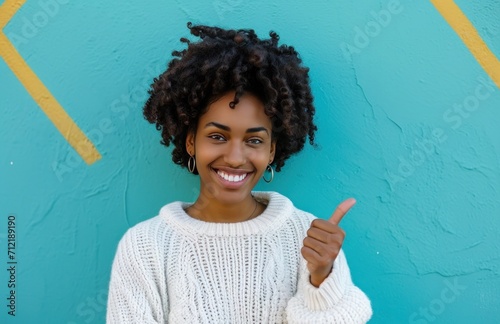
(408, 124)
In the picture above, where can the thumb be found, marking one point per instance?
(341, 210)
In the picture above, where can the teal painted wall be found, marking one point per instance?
(422, 241)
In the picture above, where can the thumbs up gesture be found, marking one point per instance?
(323, 242)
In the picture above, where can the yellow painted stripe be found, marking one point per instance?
(9, 9)
(47, 102)
(471, 38)
(42, 96)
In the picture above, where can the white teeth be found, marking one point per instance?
(232, 177)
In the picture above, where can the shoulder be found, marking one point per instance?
(147, 234)
(144, 229)
(281, 204)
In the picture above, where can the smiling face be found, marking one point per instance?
(232, 148)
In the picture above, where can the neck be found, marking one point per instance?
(211, 210)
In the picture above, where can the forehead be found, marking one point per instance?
(249, 112)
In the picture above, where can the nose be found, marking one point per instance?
(235, 155)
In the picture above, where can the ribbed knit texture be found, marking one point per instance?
(173, 268)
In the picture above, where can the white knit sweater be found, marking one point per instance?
(176, 269)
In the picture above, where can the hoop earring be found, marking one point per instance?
(191, 164)
(270, 169)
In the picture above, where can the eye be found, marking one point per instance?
(217, 137)
(255, 141)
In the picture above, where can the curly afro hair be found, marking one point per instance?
(233, 60)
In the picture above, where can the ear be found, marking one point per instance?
(272, 152)
(190, 142)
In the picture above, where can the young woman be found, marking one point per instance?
(235, 108)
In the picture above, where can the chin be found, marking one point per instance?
(230, 197)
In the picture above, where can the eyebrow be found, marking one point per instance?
(227, 128)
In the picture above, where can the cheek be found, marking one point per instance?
(260, 158)
(203, 147)
(204, 156)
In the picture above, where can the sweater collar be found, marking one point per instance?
(279, 208)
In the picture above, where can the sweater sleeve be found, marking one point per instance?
(336, 300)
(133, 292)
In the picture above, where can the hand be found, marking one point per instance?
(323, 242)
